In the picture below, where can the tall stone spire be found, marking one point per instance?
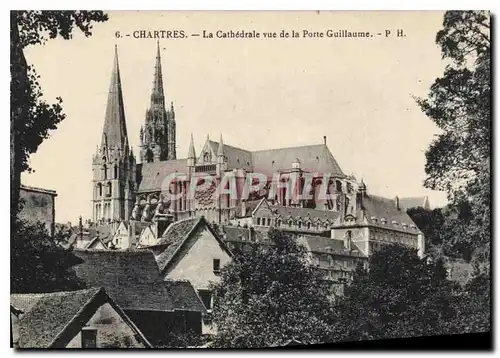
(191, 152)
(220, 150)
(158, 136)
(157, 95)
(113, 165)
(114, 133)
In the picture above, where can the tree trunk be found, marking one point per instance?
(19, 88)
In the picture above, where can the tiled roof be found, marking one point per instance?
(47, 314)
(177, 231)
(173, 238)
(94, 242)
(377, 208)
(131, 278)
(322, 244)
(312, 158)
(184, 296)
(236, 157)
(154, 174)
(413, 202)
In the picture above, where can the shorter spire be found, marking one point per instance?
(191, 152)
(220, 151)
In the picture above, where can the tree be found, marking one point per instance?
(430, 222)
(458, 160)
(399, 296)
(40, 263)
(268, 295)
(32, 117)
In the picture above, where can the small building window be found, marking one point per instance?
(206, 298)
(89, 337)
(108, 193)
(116, 171)
(99, 189)
(216, 265)
(268, 221)
(258, 221)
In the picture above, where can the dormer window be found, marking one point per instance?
(394, 222)
(383, 221)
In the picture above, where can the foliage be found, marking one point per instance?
(36, 27)
(182, 340)
(39, 262)
(31, 116)
(268, 295)
(399, 296)
(459, 103)
(430, 222)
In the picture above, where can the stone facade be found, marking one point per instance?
(38, 205)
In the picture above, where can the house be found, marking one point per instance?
(157, 306)
(38, 205)
(96, 244)
(84, 235)
(335, 258)
(373, 221)
(76, 319)
(191, 250)
(415, 202)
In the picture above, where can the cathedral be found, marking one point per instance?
(140, 200)
(124, 189)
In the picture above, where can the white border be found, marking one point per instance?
(191, 5)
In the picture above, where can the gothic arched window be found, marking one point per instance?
(116, 171)
(104, 171)
(108, 193)
(206, 157)
(99, 189)
(338, 186)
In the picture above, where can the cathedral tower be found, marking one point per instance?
(113, 163)
(157, 136)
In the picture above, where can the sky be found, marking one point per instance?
(259, 93)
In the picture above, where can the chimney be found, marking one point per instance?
(396, 202)
(80, 227)
(324, 139)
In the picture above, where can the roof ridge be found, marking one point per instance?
(291, 147)
(100, 290)
(230, 146)
(56, 292)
